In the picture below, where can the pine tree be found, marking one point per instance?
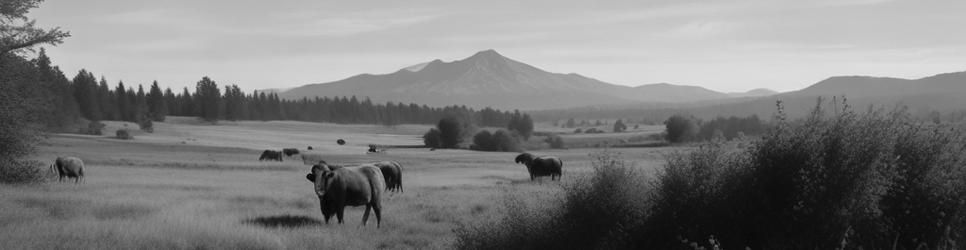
(123, 107)
(157, 109)
(209, 97)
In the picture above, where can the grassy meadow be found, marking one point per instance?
(196, 185)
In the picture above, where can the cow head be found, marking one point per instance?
(524, 158)
(322, 176)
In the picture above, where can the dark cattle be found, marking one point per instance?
(290, 151)
(340, 142)
(310, 147)
(338, 187)
(270, 155)
(392, 173)
(541, 166)
(70, 167)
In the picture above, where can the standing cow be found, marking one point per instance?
(541, 166)
(290, 151)
(70, 167)
(270, 155)
(338, 187)
(392, 173)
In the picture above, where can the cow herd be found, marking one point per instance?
(338, 186)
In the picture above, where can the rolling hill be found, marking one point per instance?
(488, 79)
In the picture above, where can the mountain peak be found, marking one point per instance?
(487, 55)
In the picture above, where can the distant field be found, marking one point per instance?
(195, 185)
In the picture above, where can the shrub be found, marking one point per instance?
(504, 141)
(555, 142)
(430, 139)
(679, 128)
(93, 128)
(123, 134)
(450, 132)
(578, 131)
(14, 171)
(593, 213)
(483, 141)
(147, 125)
(875, 180)
(619, 126)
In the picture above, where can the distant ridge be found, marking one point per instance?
(488, 79)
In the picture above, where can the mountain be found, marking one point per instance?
(488, 79)
(942, 93)
(865, 86)
(760, 92)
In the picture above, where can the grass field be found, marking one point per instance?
(196, 185)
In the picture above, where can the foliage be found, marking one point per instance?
(208, 97)
(593, 213)
(874, 180)
(19, 33)
(619, 126)
(431, 138)
(146, 125)
(555, 141)
(730, 128)
(501, 141)
(451, 132)
(521, 124)
(93, 128)
(680, 128)
(123, 134)
(578, 131)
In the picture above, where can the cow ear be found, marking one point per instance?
(311, 177)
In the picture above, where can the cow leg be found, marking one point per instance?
(365, 216)
(339, 213)
(378, 209)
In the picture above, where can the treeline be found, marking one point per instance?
(451, 132)
(93, 99)
(680, 128)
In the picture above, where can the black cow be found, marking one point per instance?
(541, 166)
(270, 155)
(290, 151)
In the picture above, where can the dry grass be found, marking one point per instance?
(156, 192)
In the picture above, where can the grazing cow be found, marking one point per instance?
(70, 167)
(340, 141)
(270, 155)
(290, 151)
(310, 147)
(338, 187)
(392, 173)
(311, 159)
(541, 166)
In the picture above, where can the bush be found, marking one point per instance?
(147, 125)
(555, 142)
(593, 213)
(679, 128)
(430, 138)
(578, 131)
(500, 141)
(21, 171)
(850, 181)
(123, 134)
(450, 132)
(93, 128)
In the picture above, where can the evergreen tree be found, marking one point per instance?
(209, 97)
(157, 108)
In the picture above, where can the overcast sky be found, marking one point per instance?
(721, 45)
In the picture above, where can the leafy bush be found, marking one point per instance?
(679, 128)
(730, 128)
(875, 180)
(578, 131)
(555, 142)
(500, 141)
(123, 134)
(593, 213)
(430, 138)
(93, 128)
(21, 171)
(147, 125)
(450, 132)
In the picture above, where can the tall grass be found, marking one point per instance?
(848, 180)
